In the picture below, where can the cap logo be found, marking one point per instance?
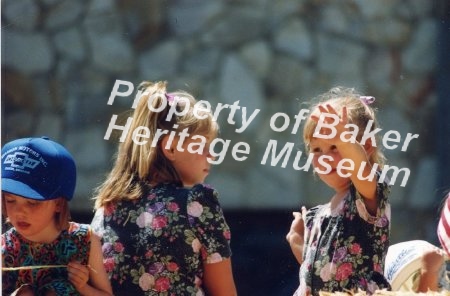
(20, 161)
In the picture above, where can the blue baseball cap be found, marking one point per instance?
(38, 168)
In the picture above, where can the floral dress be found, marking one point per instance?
(157, 245)
(71, 244)
(345, 247)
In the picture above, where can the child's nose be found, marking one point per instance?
(207, 152)
(329, 153)
(20, 209)
(209, 155)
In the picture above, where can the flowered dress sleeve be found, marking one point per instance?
(210, 230)
(72, 244)
(345, 245)
(383, 215)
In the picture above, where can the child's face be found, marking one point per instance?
(192, 167)
(320, 148)
(34, 220)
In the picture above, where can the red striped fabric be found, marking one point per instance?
(443, 230)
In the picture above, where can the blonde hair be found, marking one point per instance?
(139, 166)
(358, 112)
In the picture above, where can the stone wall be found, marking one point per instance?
(60, 60)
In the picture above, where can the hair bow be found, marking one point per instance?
(367, 99)
(170, 97)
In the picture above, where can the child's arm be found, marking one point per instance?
(91, 280)
(358, 154)
(295, 236)
(432, 261)
(218, 278)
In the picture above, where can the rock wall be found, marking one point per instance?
(61, 59)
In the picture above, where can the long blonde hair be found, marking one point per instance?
(358, 112)
(139, 166)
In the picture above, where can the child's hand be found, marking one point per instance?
(432, 262)
(353, 152)
(78, 275)
(24, 290)
(295, 236)
(340, 126)
(297, 225)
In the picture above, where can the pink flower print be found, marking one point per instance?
(118, 247)
(156, 267)
(355, 248)
(196, 245)
(172, 266)
(144, 220)
(383, 238)
(214, 258)
(327, 271)
(195, 209)
(227, 234)
(15, 243)
(151, 196)
(149, 254)
(363, 283)
(109, 210)
(197, 281)
(377, 268)
(109, 264)
(172, 206)
(107, 249)
(146, 281)
(372, 287)
(339, 254)
(382, 221)
(344, 271)
(157, 207)
(203, 253)
(162, 284)
(159, 222)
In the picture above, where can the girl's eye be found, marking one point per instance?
(9, 200)
(32, 203)
(316, 150)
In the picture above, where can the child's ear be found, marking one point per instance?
(169, 152)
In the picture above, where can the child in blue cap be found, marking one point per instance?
(43, 253)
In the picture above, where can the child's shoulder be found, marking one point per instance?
(197, 188)
(204, 192)
(198, 191)
(205, 189)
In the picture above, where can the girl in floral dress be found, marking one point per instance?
(163, 231)
(341, 245)
(43, 253)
